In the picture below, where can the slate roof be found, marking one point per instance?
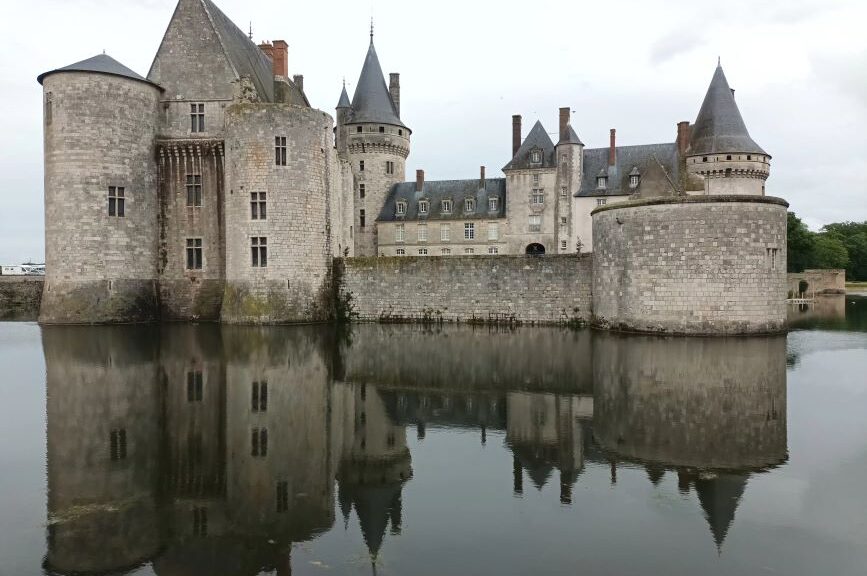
(646, 158)
(719, 127)
(245, 58)
(571, 137)
(537, 139)
(344, 99)
(101, 64)
(438, 190)
(372, 101)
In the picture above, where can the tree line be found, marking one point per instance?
(839, 245)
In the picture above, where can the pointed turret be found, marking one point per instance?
(372, 101)
(721, 150)
(344, 98)
(719, 498)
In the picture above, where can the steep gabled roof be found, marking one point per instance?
(719, 127)
(100, 64)
(372, 101)
(537, 139)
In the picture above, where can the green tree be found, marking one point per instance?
(829, 251)
(854, 237)
(800, 244)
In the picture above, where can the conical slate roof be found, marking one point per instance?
(537, 139)
(100, 64)
(372, 102)
(344, 99)
(719, 127)
(571, 137)
(719, 497)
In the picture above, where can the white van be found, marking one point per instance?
(12, 271)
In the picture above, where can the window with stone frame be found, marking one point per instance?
(493, 250)
(535, 178)
(49, 113)
(536, 156)
(389, 167)
(563, 191)
(361, 191)
(537, 197)
(400, 207)
(469, 231)
(493, 204)
(493, 231)
(400, 251)
(445, 232)
(259, 396)
(469, 205)
(117, 201)
(422, 232)
(601, 201)
(194, 253)
(259, 443)
(399, 233)
(422, 251)
(602, 182)
(634, 180)
(446, 251)
(563, 221)
(535, 223)
(446, 206)
(469, 250)
(194, 190)
(361, 218)
(258, 207)
(259, 251)
(423, 206)
(562, 244)
(197, 117)
(280, 150)
(361, 165)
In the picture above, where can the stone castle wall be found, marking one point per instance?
(700, 265)
(818, 282)
(295, 284)
(20, 297)
(99, 132)
(547, 290)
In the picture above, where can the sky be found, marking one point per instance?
(799, 68)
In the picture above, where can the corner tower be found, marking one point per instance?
(371, 136)
(721, 150)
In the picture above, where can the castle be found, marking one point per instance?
(211, 190)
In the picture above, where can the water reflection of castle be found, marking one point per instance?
(210, 450)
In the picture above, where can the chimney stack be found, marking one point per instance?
(683, 133)
(612, 149)
(299, 81)
(482, 178)
(280, 58)
(516, 133)
(394, 90)
(565, 113)
(419, 180)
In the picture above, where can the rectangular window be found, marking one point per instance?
(563, 191)
(389, 167)
(423, 206)
(194, 386)
(361, 165)
(361, 218)
(259, 443)
(535, 178)
(422, 232)
(538, 197)
(447, 206)
(469, 231)
(469, 251)
(197, 117)
(493, 250)
(280, 150)
(194, 253)
(259, 251)
(400, 208)
(117, 441)
(361, 191)
(601, 201)
(399, 232)
(445, 232)
(282, 496)
(446, 251)
(535, 223)
(259, 401)
(194, 190)
(401, 252)
(493, 231)
(200, 521)
(493, 204)
(116, 201)
(422, 251)
(49, 114)
(469, 205)
(562, 244)
(562, 220)
(258, 210)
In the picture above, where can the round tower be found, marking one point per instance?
(377, 142)
(100, 194)
(721, 150)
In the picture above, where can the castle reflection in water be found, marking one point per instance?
(211, 449)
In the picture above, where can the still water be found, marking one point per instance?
(205, 450)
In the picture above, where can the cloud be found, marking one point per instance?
(674, 44)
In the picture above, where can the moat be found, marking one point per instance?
(182, 449)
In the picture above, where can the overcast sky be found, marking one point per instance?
(799, 68)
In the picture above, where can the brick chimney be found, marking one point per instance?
(683, 133)
(419, 180)
(565, 113)
(516, 133)
(482, 177)
(394, 90)
(612, 149)
(280, 58)
(267, 49)
(298, 79)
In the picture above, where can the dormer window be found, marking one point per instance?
(446, 207)
(602, 182)
(469, 205)
(423, 206)
(493, 204)
(400, 208)
(536, 156)
(633, 181)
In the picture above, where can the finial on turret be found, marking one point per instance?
(250, 33)
(718, 60)
(371, 29)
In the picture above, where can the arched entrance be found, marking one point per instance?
(535, 249)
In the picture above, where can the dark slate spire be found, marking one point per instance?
(344, 98)
(101, 64)
(719, 497)
(372, 102)
(719, 127)
(537, 139)
(571, 137)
